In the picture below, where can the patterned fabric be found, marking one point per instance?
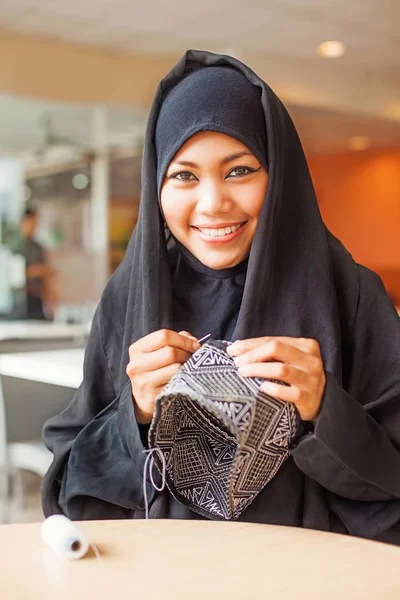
(222, 438)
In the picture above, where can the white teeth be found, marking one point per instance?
(219, 232)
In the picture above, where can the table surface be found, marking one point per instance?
(40, 330)
(57, 367)
(198, 560)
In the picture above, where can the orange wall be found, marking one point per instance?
(359, 198)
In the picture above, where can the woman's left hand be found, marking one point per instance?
(295, 361)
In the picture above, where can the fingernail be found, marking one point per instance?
(196, 346)
(233, 349)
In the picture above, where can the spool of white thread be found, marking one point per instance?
(64, 537)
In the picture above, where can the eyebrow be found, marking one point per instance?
(226, 160)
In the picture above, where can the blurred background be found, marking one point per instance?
(76, 83)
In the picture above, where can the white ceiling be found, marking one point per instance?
(290, 28)
(277, 36)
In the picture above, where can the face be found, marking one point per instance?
(212, 197)
(28, 226)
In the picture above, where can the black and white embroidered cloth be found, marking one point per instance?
(222, 438)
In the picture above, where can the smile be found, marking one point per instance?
(220, 231)
(219, 234)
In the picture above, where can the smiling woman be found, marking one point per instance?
(213, 209)
(248, 259)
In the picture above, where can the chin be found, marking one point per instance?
(218, 262)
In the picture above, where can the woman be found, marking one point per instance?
(249, 260)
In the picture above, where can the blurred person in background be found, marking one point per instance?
(39, 275)
(248, 259)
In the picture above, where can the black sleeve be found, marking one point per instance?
(354, 450)
(98, 454)
(349, 453)
(104, 474)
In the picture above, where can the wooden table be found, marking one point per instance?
(199, 560)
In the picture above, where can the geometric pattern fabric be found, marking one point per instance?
(222, 438)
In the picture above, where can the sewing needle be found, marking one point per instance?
(204, 338)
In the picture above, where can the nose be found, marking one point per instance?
(213, 198)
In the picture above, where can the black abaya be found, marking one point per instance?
(300, 281)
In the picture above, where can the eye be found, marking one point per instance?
(241, 171)
(183, 176)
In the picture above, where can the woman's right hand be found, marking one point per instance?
(153, 360)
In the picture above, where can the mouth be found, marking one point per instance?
(220, 233)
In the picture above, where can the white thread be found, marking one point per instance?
(64, 537)
(150, 459)
(97, 553)
(204, 338)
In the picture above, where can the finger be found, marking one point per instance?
(278, 351)
(282, 392)
(151, 361)
(189, 335)
(241, 346)
(163, 337)
(276, 370)
(307, 405)
(150, 382)
(307, 345)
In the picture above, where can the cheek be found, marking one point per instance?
(251, 202)
(258, 204)
(257, 198)
(176, 212)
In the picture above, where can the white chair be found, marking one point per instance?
(31, 455)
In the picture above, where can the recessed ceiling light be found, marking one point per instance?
(358, 142)
(331, 49)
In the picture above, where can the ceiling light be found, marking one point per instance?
(80, 181)
(331, 49)
(358, 142)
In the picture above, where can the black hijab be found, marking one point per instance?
(300, 282)
(223, 100)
